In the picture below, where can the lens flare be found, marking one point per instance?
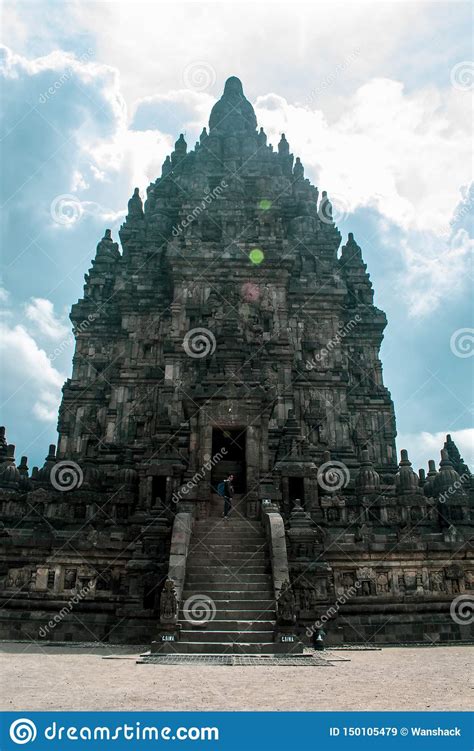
(256, 256)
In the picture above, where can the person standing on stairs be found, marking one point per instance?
(228, 493)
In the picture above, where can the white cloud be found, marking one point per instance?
(407, 154)
(41, 313)
(435, 269)
(424, 446)
(28, 374)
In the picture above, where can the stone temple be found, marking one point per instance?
(229, 334)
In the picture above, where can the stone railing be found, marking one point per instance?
(274, 528)
(284, 636)
(180, 537)
(172, 592)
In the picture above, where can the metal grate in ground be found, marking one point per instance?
(269, 660)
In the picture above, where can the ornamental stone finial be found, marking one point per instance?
(135, 206)
(283, 146)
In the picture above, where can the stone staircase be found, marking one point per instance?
(228, 604)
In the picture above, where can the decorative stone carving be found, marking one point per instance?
(168, 603)
(286, 605)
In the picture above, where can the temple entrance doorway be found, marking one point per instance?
(233, 440)
(158, 489)
(295, 490)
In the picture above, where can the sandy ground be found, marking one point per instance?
(390, 679)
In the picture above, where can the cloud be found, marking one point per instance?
(424, 446)
(41, 313)
(28, 374)
(172, 112)
(435, 269)
(388, 150)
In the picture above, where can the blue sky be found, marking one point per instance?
(374, 98)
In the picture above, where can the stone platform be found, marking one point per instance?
(311, 661)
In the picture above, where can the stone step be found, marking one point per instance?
(231, 548)
(205, 557)
(209, 648)
(251, 600)
(226, 569)
(226, 524)
(217, 536)
(204, 636)
(226, 534)
(230, 588)
(224, 576)
(228, 530)
(214, 542)
(200, 562)
(234, 614)
(227, 624)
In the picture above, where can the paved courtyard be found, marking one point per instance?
(74, 678)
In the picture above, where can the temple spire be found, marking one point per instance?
(233, 113)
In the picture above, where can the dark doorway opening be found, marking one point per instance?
(158, 488)
(295, 490)
(233, 460)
